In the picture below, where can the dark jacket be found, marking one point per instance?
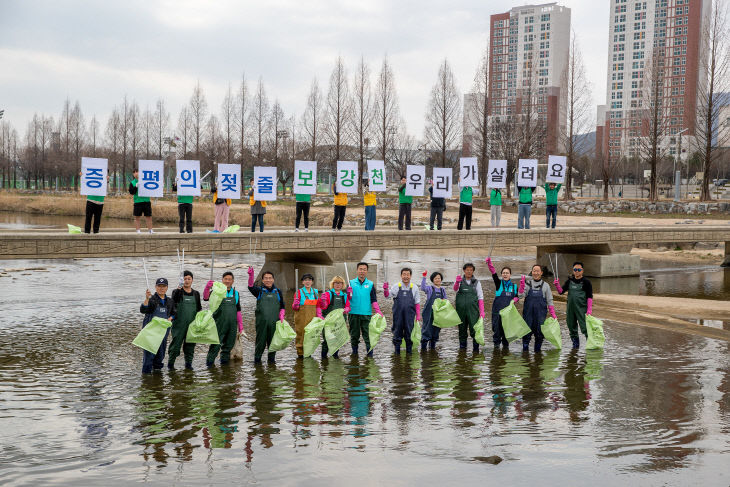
(436, 202)
(150, 308)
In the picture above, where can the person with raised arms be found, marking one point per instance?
(505, 292)
(227, 318)
(469, 304)
(406, 308)
(430, 333)
(187, 303)
(580, 301)
(156, 305)
(269, 310)
(363, 301)
(305, 306)
(538, 301)
(334, 298)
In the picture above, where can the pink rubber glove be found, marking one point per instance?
(488, 260)
(348, 291)
(522, 285)
(557, 286)
(206, 291)
(295, 305)
(386, 292)
(516, 300)
(418, 312)
(376, 308)
(481, 308)
(324, 301)
(239, 319)
(425, 273)
(250, 276)
(551, 309)
(589, 311)
(319, 314)
(281, 315)
(456, 282)
(346, 309)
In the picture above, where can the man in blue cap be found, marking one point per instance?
(156, 306)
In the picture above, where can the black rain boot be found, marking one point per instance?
(433, 344)
(576, 343)
(336, 354)
(188, 366)
(476, 347)
(397, 349)
(354, 350)
(272, 357)
(526, 346)
(209, 364)
(424, 343)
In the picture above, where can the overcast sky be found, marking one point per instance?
(98, 51)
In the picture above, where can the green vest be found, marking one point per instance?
(185, 199)
(495, 198)
(466, 194)
(402, 198)
(95, 198)
(304, 197)
(137, 197)
(551, 195)
(526, 195)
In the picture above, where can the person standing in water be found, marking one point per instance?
(580, 301)
(156, 305)
(505, 292)
(406, 308)
(305, 309)
(538, 302)
(430, 333)
(363, 302)
(227, 318)
(269, 310)
(187, 302)
(335, 298)
(469, 304)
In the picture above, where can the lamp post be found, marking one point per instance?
(678, 174)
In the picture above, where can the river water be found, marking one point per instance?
(653, 407)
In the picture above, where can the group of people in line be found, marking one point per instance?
(359, 301)
(142, 206)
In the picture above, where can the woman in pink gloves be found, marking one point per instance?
(538, 302)
(580, 301)
(269, 310)
(406, 308)
(226, 317)
(505, 292)
(305, 306)
(331, 300)
(469, 304)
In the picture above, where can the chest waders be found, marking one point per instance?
(184, 315)
(155, 360)
(505, 294)
(431, 333)
(227, 326)
(306, 312)
(337, 301)
(576, 310)
(534, 312)
(267, 314)
(467, 307)
(404, 314)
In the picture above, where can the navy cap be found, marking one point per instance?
(161, 281)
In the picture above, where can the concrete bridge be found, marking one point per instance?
(604, 250)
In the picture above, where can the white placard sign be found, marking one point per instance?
(264, 183)
(305, 177)
(556, 169)
(188, 178)
(415, 180)
(527, 173)
(376, 175)
(442, 182)
(229, 181)
(93, 176)
(150, 180)
(346, 177)
(468, 172)
(497, 174)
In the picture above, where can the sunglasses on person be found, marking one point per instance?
(577, 269)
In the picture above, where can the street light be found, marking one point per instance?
(677, 174)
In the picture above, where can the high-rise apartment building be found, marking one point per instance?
(529, 53)
(668, 32)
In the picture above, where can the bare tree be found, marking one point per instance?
(260, 117)
(113, 140)
(476, 114)
(311, 118)
(578, 100)
(228, 128)
(338, 110)
(715, 65)
(148, 130)
(93, 135)
(198, 112)
(213, 145)
(241, 118)
(403, 151)
(386, 110)
(443, 116)
(362, 112)
(162, 123)
(285, 164)
(184, 128)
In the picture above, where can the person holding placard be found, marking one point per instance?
(94, 207)
(469, 304)
(438, 205)
(495, 206)
(304, 201)
(551, 203)
(369, 201)
(405, 204)
(340, 207)
(222, 209)
(156, 305)
(142, 204)
(465, 208)
(524, 210)
(258, 209)
(184, 211)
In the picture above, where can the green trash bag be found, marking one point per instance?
(512, 323)
(217, 295)
(283, 336)
(335, 331)
(415, 334)
(73, 229)
(312, 332)
(444, 314)
(203, 330)
(376, 327)
(596, 338)
(232, 229)
(151, 336)
(551, 330)
(479, 331)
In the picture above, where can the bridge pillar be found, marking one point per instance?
(322, 264)
(726, 261)
(600, 260)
